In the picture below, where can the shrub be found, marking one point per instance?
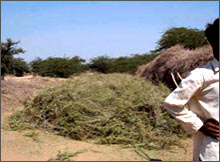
(57, 67)
(100, 64)
(35, 65)
(105, 64)
(129, 64)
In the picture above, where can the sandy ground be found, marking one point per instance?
(16, 146)
(38, 145)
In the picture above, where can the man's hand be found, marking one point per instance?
(211, 128)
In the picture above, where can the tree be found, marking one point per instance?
(79, 64)
(122, 64)
(100, 64)
(35, 66)
(129, 64)
(189, 38)
(8, 50)
(57, 67)
(77, 59)
(19, 67)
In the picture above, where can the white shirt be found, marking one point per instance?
(200, 89)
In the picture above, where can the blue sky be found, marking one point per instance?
(93, 28)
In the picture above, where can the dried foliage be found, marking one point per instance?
(108, 108)
(173, 60)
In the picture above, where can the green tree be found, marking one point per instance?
(8, 50)
(20, 67)
(189, 38)
(105, 64)
(79, 64)
(100, 64)
(58, 67)
(35, 66)
(77, 59)
(129, 64)
(119, 65)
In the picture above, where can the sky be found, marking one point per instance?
(95, 28)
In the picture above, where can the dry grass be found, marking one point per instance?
(175, 59)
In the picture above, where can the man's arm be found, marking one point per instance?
(176, 101)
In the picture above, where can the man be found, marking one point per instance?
(200, 89)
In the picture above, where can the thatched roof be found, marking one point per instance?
(173, 60)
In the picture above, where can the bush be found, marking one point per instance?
(35, 65)
(108, 108)
(100, 64)
(129, 64)
(105, 64)
(57, 67)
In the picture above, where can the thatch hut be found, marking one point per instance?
(173, 60)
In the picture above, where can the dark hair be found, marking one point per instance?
(212, 32)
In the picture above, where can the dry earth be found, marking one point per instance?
(38, 145)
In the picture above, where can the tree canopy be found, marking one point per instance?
(20, 67)
(35, 65)
(189, 38)
(123, 64)
(8, 50)
(57, 66)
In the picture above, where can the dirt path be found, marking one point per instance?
(37, 145)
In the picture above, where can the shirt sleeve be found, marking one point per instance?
(176, 101)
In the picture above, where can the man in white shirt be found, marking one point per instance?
(200, 89)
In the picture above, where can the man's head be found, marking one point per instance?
(212, 34)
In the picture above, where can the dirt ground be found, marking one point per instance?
(38, 145)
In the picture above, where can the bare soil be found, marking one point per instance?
(38, 145)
